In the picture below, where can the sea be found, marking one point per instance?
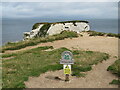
(12, 29)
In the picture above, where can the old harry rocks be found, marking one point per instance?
(43, 29)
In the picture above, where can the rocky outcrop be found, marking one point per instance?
(43, 29)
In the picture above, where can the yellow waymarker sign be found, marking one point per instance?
(67, 69)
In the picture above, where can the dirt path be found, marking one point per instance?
(102, 44)
(99, 77)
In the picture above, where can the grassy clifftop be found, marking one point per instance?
(94, 33)
(63, 22)
(115, 69)
(37, 61)
(35, 41)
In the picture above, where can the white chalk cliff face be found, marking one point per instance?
(56, 28)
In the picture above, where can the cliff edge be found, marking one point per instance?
(45, 28)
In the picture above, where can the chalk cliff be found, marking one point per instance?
(43, 29)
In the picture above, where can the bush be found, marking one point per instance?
(81, 68)
(76, 52)
(118, 36)
(43, 30)
(2, 51)
(117, 82)
(35, 26)
(115, 68)
(94, 33)
(76, 69)
(69, 34)
(10, 43)
(112, 35)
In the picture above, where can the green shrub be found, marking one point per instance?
(118, 36)
(8, 55)
(112, 35)
(2, 51)
(117, 82)
(69, 34)
(43, 30)
(94, 33)
(35, 26)
(81, 68)
(45, 47)
(89, 52)
(76, 52)
(10, 43)
(78, 74)
(19, 46)
(76, 70)
(115, 68)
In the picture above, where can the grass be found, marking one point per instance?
(94, 33)
(35, 26)
(115, 69)
(74, 21)
(76, 70)
(37, 61)
(35, 41)
(15, 54)
(116, 82)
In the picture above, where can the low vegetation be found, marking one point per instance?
(115, 69)
(35, 41)
(35, 26)
(43, 30)
(63, 22)
(37, 61)
(94, 33)
(74, 21)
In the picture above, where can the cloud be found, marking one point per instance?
(60, 0)
(52, 9)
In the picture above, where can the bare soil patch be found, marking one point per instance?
(99, 77)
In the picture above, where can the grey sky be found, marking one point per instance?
(60, 0)
(108, 10)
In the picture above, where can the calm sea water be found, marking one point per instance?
(12, 29)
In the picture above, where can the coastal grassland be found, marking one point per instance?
(37, 61)
(115, 69)
(35, 41)
(94, 33)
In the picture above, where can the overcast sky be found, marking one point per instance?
(60, 0)
(108, 10)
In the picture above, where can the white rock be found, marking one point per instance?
(58, 28)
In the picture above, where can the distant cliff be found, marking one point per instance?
(44, 28)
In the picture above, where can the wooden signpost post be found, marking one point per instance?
(67, 60)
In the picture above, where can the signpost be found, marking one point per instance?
(67, 60)
(67, 69)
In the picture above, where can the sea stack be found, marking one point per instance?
(45, 28)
